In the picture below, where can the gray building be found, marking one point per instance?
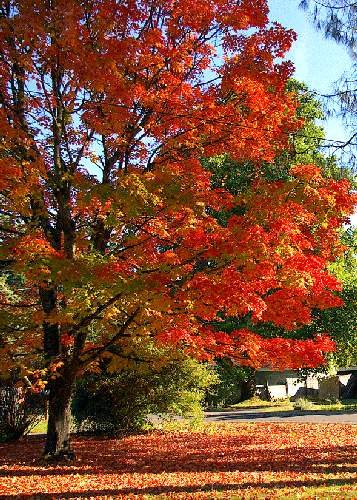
(272, 384)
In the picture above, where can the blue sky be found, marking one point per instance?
(318, 62)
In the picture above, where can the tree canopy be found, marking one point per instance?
(107, 213)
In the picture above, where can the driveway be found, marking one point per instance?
(312, 416)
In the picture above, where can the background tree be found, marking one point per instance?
(337, 19)
(306, 146)
(341, 322)
(233, 384)
(106, 109)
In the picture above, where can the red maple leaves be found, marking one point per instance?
(268, 460)
(108, 109)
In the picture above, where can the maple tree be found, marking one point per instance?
(106, 210)
(306, 146)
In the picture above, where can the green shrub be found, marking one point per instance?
(108, 403)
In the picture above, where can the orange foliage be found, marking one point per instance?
(107, 108)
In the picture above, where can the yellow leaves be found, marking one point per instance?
(295, 279)
(285, 250)
(118, 363)
(190, 305)
(111, 313)
(136, 193)
(324, 224)
(200, 208)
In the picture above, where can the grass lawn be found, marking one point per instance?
(285, 405)
(256, 403)
(40, 428)
(246, 460)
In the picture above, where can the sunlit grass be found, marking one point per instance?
(40, 428)
(256, 403)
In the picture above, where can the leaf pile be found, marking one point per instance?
(248, 460)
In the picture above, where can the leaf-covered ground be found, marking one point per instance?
(247, 460)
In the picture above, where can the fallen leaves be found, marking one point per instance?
(248, 460)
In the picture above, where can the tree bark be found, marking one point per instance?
(59, 416)
(51, 334)
(60, 388)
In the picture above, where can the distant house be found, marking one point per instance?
(272, 384)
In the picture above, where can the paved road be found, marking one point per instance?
(249, 415)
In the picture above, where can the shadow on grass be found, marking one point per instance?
(177, 453)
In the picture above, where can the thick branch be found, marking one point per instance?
(96, 353)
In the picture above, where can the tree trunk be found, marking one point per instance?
(60, 388)
(59, 414)
(51, 334)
